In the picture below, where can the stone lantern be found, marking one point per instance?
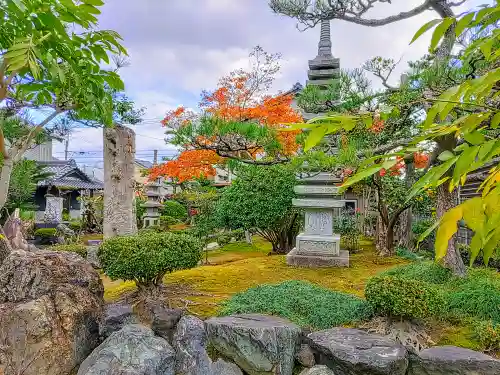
(318, 246)
(152, 215)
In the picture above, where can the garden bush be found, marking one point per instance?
(147, 257)
(304, 303)
(75, 248)
(477, 295)
(488, 334)
(399, 297)
(168, 220)
(75, 226)
(224, 239)
(46, 232)
(174, 209)
(429, 272)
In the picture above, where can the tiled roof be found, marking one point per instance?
(144, 163)
(66, 173)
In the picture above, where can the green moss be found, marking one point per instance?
(77, 249)
(304, 303)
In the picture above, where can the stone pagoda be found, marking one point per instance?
(318, 246)
(152, 215)
(324, 69)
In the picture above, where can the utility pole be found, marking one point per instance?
(66, 146)
(155, 157)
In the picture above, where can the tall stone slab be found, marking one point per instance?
(318, 246)
(119, 182)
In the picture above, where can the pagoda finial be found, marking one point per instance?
(325, 39)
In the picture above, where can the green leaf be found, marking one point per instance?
(446, 155)
(466, 159)
(473, 213)
(20, 5)
(429, 25)
(440, 31)
(361, 175)
(490, 246)
(314, 137)
(94, 2)
(89, 9)
(447, 228)
(495, 121)
(474, 138)
(429, 230)
(463, 23)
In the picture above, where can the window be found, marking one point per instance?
(351, 205)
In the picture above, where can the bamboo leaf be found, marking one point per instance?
(446, 155)
(464, 22)
(314, 137)
(440, 31)
(429, 25)
(447, 228)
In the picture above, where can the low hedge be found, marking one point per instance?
(488, 334)
(75, 248)
(306, 304)
(46, 232)
(406, 298)
(146, 257)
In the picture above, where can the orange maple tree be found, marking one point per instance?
(239, 98)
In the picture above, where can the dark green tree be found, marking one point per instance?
(261, 199)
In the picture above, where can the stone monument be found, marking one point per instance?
(53, 209)
(318, 246)
(152, 215)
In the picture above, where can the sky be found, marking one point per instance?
(177, 48)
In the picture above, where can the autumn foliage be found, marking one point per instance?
(239, 98)
(189, 165)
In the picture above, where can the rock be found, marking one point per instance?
(92, 256)
(258, 344)
(225, 368)
(317, 370)
(190, 342)
(116, 316)
(452, 360)
(65, 230)
(134, 350)
(354, 352)
(305, 356)
(50, 307)
(164, 320)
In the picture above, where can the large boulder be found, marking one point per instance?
(317, 370)
(353, 352)
(116, 316)
(134, 350)
(190, 342)
(451, 360)
(163, 319)
(50, 307)
(259, 344)
(225, 368)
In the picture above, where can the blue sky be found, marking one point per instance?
(178, 48)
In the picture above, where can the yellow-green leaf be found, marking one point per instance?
(440, 31)
(314, 137)
(474, 138)
(429, 230)
(445, 155)
(429, 25)
(473, 213)
(464, 162)
(495, 121)
(463, 23)
(492, 243)
(475, 246)
(361, 175)
(447, 228)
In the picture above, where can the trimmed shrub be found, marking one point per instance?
(477, 295)
(75, 226)
(488, 334)
(168, 220)
(46, 232)
(147, 257)
(406, 298)
(238, 234)
(78, 249)
(224, 239)
(301, 302)
(175, 210)
(429, 272)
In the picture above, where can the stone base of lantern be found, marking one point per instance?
(294, 258)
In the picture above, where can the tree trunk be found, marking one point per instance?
(119, 182)
(406, 218)
(381, 237)
(5, 247)
(248, 237)
(5, 181)
(446, 200)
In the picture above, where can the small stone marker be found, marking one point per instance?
(318, 246)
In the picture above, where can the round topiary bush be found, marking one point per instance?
(174, 209)
(399, 297)
(301, 302)
(75, 248)
(146, 258)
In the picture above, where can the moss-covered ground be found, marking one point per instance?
(239, 266)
